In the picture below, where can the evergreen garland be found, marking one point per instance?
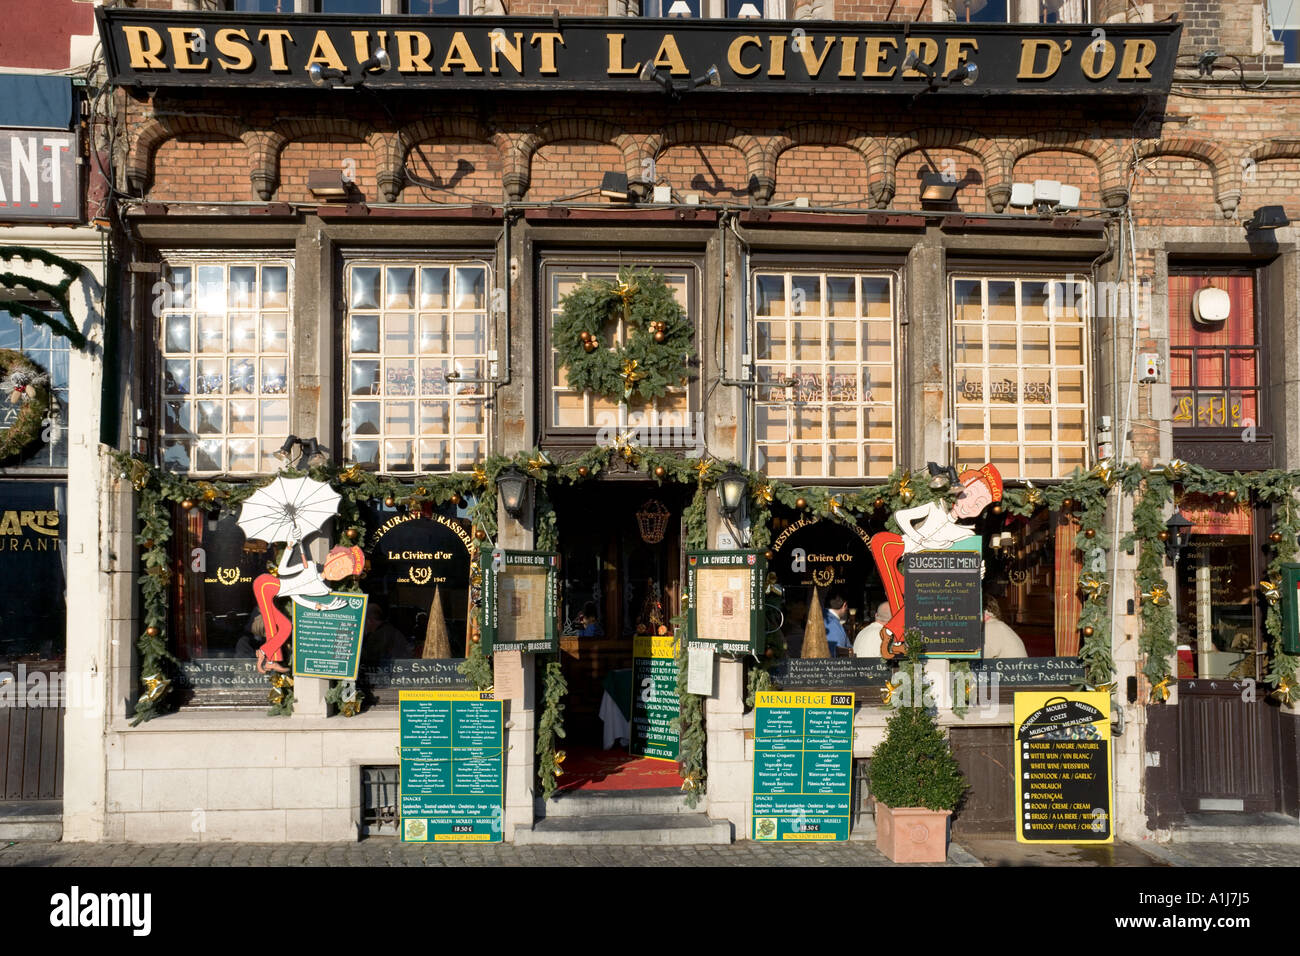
(57, 292)
(550, 727)
(658, 333)
(690, 728)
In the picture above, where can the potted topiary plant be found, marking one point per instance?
(914, 776)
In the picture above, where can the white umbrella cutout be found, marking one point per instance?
(288, 509)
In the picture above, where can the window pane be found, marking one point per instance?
(365, 333)
(401, 289)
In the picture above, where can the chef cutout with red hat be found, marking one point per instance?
(928, 527)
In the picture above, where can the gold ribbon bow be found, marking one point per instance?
(702, 467)
(1105, 472)
(905, 487)
(1283, 691)
(351, 473)
(625, 289)
(539, 463)
(631, 375)
(887, 693)
(1033, 496)
(1175, 469)
(626, 447)
(559, 759)
(1270, 591)
(350, 708)
(691, 782)
(1158, 595)
(479, 476)
(155, 685)
(208, 491)
(1092, 586)
(763, 493)
(1161, 687)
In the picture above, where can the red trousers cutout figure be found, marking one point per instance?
(887, 549)
(278, 627)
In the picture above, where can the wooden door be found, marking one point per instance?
(985, 755)
(1227, 746)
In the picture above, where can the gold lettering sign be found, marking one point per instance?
(1029, 58)
(1138, 55)
(734, 61)
(616, 67)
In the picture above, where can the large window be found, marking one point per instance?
(824, 360)
(416, 351)
(1022, 11)
(1021, 365)
(1284, 19)
(50, 352)
(438, 8)
(1214, 366)
(731, 9)
(224, 328)
(571, 409)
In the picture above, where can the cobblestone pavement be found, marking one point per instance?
(386, 852)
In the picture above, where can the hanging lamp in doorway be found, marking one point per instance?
(652, 521)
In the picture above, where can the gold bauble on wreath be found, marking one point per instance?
(1163, 535)
(769, 554)
(1088, 630)
(1090, 532)
(879, 503)
(1275, 537)
(152, 630)
(480, 534)
(353, 534)
(187, 504)
(583, 471)
(455, 500)
(389, 501)
(660, 471)
(801, 503)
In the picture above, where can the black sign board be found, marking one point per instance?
(943, 601)
(188, 49)
(1063, 767)
(854, 672)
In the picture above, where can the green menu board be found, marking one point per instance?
(803, 765)
(328, 643)
(520, 603)
(452, 785)
(724, 593)
(655, 704)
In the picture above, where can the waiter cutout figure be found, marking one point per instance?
(928, 527)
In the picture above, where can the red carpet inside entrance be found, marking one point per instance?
(589, 768)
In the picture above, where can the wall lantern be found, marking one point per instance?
(731, 492)
(513, 486)
(1267, 218)
(327, 184)
(1179, 531)
(1211, 305)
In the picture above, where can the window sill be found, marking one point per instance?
(224, 721)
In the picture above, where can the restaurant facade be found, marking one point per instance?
(357, 245)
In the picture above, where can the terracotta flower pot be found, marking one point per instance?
(912, 834)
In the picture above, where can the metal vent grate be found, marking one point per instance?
(379, 800)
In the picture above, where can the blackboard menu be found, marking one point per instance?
(803, 765)
(328, 643)
(1031, 671)
(1063, 767)
(451, 774)
(655, 704)
(942, 600)
(855, 672)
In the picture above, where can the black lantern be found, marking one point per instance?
(285, 451)
(1180, 533)
(731, 492)
(512, 485)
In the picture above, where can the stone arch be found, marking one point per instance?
(1110, 165)
(1211, 154)
(397, 147)
(759, 173)
(160, 128)
(993, 160)
(518, 166)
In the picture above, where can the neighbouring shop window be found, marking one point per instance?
(224, 331)
(1022, 11)
(569, 409)
(1021, 365)
(50, 352)
(1032, 571)
(824, 360)
(1214, 367)
(1284, 20)
(416, 349)
(33, 558)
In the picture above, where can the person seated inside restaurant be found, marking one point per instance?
(999, 639)
(867, 643)
(381, 640)
(588, 624)
(837, 609)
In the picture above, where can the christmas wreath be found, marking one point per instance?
(657, 337)
(25, 386)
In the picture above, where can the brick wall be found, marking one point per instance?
(463, 169)
(825, 174)
(967, 167)
(200, 169)
(717, 173)
(1072, 168)
(562, 169)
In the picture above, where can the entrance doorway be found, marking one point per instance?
(621, 565)
(1228, 729)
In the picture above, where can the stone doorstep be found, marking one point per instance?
(31, 820)
(593, 803)
(676, 829)
(1229, 827)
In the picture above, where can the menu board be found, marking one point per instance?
(803, 765)
(519, 599)
(655, 704)
(1063, 767)
(725, 600)
(858, 672)
(452, 785)
(1290, 608)
(943, 600)
(1032, 671)
(328, 643)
